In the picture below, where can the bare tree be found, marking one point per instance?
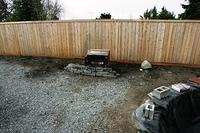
(52, 9)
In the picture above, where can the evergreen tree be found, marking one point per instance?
(3, 10)
(154, 14)
(27, 10)
(164, 14)
(192, 10)
(146, 15)
(105, 16)
(150, 14)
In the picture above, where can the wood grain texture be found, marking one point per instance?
(160, 41)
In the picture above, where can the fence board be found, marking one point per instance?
(159, 41)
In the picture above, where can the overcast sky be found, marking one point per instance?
(119, 9)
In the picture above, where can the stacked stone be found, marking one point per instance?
(91, 71)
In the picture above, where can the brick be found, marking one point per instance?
(161, 92)
(149, 111)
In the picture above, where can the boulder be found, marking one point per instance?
(146, 65)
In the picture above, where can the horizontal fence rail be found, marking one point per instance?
(159, 41)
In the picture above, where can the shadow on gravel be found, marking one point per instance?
(38, 66)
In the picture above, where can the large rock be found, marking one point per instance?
(146, 65)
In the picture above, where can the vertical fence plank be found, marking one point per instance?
(158, 41)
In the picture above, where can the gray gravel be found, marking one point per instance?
(38, 96)
(33, 100)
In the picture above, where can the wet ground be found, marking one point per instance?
(38, 95)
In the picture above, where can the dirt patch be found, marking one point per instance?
(119, 118)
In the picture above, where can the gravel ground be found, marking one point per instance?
(37, 99)
(38, 96)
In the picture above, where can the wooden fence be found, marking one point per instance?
(158, 41)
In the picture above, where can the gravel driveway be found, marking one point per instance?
(38, 96)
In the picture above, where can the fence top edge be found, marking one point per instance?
(98, 20)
